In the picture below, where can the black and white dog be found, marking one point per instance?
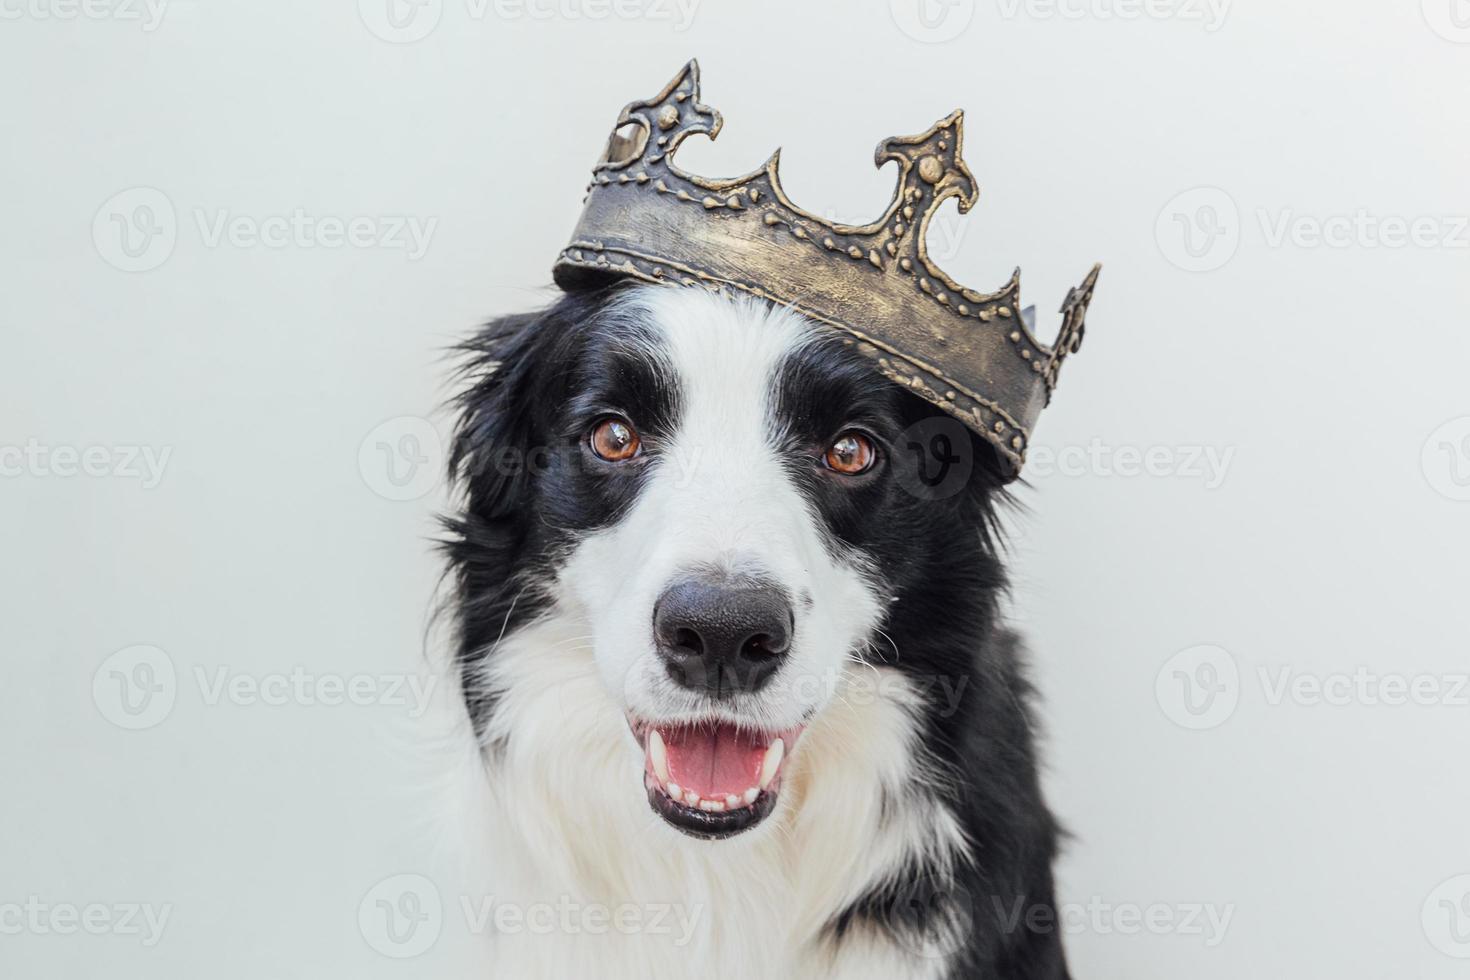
(734, 684)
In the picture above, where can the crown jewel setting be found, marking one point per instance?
(970, 353)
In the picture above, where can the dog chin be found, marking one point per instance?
(712, 779)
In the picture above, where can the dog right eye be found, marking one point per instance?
(614, 439)
(851, 453)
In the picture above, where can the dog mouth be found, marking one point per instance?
(712, 779)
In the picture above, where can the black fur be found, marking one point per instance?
(529, 493)
(535, 382)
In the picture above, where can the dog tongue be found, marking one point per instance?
(714, 761)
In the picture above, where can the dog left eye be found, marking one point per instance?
(851, 453)
(614, 439)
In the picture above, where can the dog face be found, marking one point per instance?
(727, 496)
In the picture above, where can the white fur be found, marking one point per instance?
(568, 820)
(718, 495)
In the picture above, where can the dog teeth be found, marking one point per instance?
(658, 755)
(772, 762)
(692, 799)
(658, 760)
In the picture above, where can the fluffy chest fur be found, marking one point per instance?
(570, 826)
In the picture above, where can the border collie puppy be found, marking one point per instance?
(742, 697)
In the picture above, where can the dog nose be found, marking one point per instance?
(722, 637)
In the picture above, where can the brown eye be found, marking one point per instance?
(851, 453)
(614, 440)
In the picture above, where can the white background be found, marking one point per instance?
(1165, 608)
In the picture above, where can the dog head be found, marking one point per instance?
(736, 506)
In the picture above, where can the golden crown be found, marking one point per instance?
(970, 353)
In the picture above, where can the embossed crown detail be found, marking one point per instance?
(970, 353)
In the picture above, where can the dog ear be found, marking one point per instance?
(497, 431)
(497, 427)
(514, 371)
